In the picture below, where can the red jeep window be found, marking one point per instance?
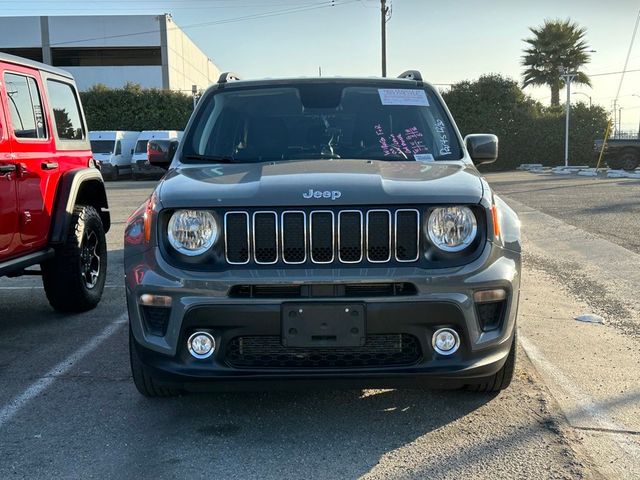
(66, 111)
(25, 106)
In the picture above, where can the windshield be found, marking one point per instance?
(141, 146)
(102, 146)
(312, 121)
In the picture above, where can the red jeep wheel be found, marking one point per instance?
(74, 279)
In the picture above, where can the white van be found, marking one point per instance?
(139, 164)
(113, 150)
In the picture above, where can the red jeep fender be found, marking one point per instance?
(83, 186)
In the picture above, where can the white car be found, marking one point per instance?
(113, 150)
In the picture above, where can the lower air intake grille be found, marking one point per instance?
(268, 352)
(156, 319)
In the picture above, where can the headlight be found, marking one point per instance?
(192, 232)
(452, 229)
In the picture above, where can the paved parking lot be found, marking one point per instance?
(68, 408)
(609, 207)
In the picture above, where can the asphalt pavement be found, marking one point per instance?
(68, 407)
(609, 207)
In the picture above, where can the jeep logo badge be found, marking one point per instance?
(332, 194)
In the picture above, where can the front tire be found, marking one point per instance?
(628, 160)
(142, 379)
(74, 278)
(502, 379)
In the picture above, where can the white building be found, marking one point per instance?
(147, 49)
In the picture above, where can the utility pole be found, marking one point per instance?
(615, 117)
(568, 78)
(383, 26)
(636, 95)
(619, 121)
(385, 16)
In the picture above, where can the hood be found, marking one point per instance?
(320, 183)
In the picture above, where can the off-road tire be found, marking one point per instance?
(64, 275)
(502, 379)
(144, 382)
(628, 160)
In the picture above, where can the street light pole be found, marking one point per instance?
(588, 96)
(568, 78)
(194, 94)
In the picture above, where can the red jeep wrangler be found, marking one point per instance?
(53, 205)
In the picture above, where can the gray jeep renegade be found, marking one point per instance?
(328, 231)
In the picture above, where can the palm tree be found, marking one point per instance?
(554, 47)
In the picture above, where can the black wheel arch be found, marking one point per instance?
(83, 186)
(635, 151)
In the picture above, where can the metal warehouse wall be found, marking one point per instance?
(188, 65)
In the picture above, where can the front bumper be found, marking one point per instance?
(107, 169)
(143, 167)
(443, 298)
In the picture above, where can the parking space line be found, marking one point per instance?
(16, 404)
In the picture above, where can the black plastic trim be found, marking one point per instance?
(20, 263)
(67, 194)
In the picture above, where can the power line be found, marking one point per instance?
(233, 4)
(274, 13)
(167, 4)
(613, 73)
(626, 62)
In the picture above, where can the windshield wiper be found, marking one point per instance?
(211, 158)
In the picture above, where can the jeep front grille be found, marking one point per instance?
(322, 236)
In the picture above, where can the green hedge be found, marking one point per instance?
(528, 131)
(134, 108)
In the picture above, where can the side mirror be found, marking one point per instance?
(160, 152)
(482, 148)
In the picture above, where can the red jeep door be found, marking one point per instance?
(33, 152)
(8, 200)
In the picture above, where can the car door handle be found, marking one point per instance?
(49, 165)
(4, 169)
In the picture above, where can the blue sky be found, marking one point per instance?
(446, 40)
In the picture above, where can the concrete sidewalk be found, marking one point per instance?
(593, 371)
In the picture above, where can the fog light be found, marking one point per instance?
(201, 345)
(445, 341)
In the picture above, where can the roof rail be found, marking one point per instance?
(226, 76)
(411, 75)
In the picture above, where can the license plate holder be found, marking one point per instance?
(323, 325)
